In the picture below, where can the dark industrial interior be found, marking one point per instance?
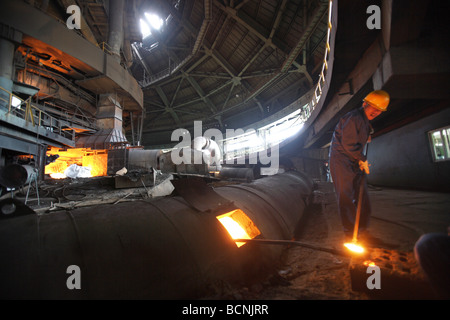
(179, 149)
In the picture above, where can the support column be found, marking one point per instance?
(6, 70)
(40, 161)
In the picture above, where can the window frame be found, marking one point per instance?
(445, 137)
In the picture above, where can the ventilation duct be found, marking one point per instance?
(109, 120)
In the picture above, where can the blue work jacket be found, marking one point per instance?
(351, 135)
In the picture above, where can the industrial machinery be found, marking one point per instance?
(173, 247)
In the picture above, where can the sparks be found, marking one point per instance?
(369, 263)
(354, 247)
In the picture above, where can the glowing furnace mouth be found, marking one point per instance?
(95, 160)
(239, 225)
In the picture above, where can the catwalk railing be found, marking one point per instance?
(26, 110)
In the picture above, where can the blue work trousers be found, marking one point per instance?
(347, 180)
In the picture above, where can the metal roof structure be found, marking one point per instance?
(227, 63)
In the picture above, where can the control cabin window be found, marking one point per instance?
(440, 144)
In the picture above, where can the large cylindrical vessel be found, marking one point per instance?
(159, 249)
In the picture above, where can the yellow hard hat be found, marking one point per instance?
(378, 99)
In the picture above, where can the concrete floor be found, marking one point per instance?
(399, 217)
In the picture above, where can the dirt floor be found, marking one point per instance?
(399, 217)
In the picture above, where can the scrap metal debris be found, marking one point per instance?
(68, 194)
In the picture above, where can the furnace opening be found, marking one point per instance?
(239, 225)
(95, 161)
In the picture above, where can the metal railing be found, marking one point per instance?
(150, 79)
(105, 47)
(24, 109)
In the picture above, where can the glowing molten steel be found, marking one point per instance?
(369, 263)
(354, 247)
(239, 225)
(235, 230)
(95, 160)
(57, 175)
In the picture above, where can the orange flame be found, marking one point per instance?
(352, 246)
(369, 263)
(57, 175)
(239, 225)
(234, 229)
(96, 160)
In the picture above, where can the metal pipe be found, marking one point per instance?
(16, 175)
(153, 249)
(115, 36)
(295, 243)
(6, 70)
(210, 150)
(132, 128)
(358, 209)
(246, 174)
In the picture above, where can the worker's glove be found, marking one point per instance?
(364, 166)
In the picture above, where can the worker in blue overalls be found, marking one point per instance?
(348, 161)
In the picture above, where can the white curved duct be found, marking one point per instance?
(210, 149)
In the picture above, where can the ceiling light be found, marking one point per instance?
(155, 21)
(145, 29)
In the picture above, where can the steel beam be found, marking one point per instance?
(202, 94)
(252, 26)
(361, 74)
(33, 22)
(411, 72)
(166, 102)
(315, 20)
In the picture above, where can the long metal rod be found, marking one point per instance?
(360, 195)
(132, 129)
(358, 210)
(294, 243)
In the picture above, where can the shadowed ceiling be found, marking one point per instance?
(227, 63)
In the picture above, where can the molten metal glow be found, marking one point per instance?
(234, 229)
(238, 225)
(369, 263)
(354, 247)
(57, 175)
(96, 160)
